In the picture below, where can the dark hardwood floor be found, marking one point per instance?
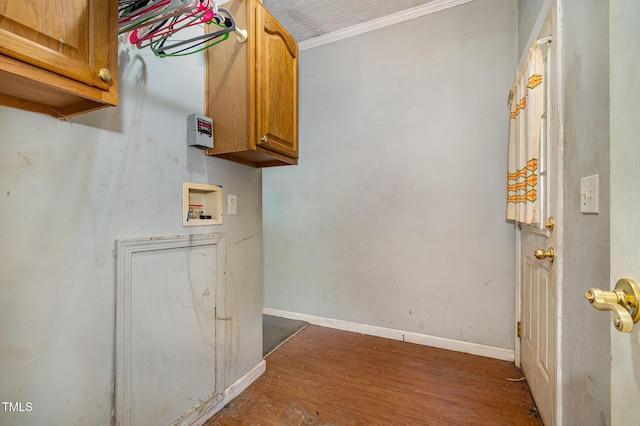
(323, 376)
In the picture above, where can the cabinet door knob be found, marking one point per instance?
(105, 75)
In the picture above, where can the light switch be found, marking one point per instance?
(589, 194)
(232, 204)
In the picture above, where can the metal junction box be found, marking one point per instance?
(199, 131)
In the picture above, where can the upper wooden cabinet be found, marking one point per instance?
(58, 57)
(252, 91)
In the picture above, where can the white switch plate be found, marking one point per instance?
(232, 204)
(589, 194)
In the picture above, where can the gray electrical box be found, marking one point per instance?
(199, 131)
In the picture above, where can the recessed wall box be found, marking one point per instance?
(199, 131)
(201, 204)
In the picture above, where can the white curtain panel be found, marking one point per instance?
(526, 105)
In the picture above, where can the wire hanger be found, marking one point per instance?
(154, 23)
(164, 47)
(166, 25)
(145, 11)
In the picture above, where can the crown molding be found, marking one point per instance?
(385, 21)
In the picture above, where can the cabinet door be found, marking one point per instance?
(277, 86)
(67, 37)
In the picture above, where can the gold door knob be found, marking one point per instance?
(550, 224)
(105, 75)
(543, 254)
(624, 301)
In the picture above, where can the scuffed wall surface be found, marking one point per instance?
(395, 215)
(68, 191)
(585, 362)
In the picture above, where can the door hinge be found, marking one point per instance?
(519, 329)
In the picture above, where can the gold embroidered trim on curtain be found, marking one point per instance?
(526, 97)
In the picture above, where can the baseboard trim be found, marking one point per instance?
(243, 382)
(406, 336)
(232, 392)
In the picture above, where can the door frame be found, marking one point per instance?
(123, 390)
(549, 6)
(623, 230)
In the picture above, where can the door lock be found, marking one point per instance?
(543, 254)
(623, 301)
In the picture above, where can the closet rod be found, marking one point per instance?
(544, 40)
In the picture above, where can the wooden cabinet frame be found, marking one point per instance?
(59, 58)
(252, 91)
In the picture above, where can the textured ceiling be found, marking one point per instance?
(306, 19)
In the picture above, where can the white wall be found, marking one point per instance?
(68, 191)
(585, 378)
(528, 13)
(395, 215)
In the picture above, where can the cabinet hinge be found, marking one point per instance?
(519, 329)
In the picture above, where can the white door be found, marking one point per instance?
(624, 51)
(537, 323)
(537, 326)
